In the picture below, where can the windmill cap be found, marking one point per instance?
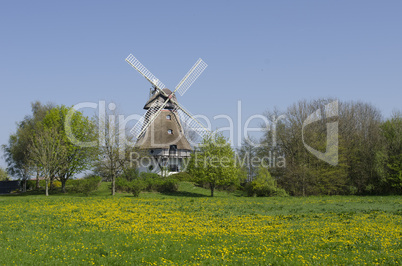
(160, 98)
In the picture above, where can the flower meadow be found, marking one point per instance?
(158, 229)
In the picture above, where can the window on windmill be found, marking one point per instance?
(168, 117)
(170, 132)
(173, 147)
(173, 150)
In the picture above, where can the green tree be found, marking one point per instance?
(4, 175)
(358, 141)
(247, 153)
(16, 152)
(114, 149)
(214, 162)
(264, 185)
(17, 155)
(75, 131)
(390, 157)
(87, 185)
(46, 151)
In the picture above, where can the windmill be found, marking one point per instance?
(166, 127)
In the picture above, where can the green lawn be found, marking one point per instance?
(190, 228)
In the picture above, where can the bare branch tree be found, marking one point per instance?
(47, 151)
(114, 149)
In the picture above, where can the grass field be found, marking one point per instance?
(190, 228)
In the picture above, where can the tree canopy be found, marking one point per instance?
(71, 126)
(41, 144)
(214, 162)
(16, 152)
(390, 155)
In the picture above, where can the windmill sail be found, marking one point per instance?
(191, 76)
(145, 120)
(145, 72)
(191, 123)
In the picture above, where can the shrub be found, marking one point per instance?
(168, 185)
(152, 184)
(42, 183)
(182, 176)
(146, 175)
(280, 192)
(161, 185)
(56, 184)
(352, 190)
(87, 185)
(230, 186)
(264, 185)
(31, 184)
(122, 185)
(130, 174)
(136, 187)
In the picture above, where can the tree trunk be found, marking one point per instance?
(63, 184)
(24, 186)
(113, 185)
(37, 180)
(47, 188)
(212, 189)
(51, 183)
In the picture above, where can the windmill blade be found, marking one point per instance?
(145, 72)
(135, 131)
(139, 127)
(191, 122)
(143, 124)
(191, 76)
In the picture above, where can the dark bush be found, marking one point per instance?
(231, 187)
(152, 184)
(122, 185)
(161, 185)
(31, 184)
(136, 187)
(168, 185)
(87, 185)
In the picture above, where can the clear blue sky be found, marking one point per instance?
(264, 53)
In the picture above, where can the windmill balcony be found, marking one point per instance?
(170, 153)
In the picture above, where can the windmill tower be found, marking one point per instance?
(165, 129)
